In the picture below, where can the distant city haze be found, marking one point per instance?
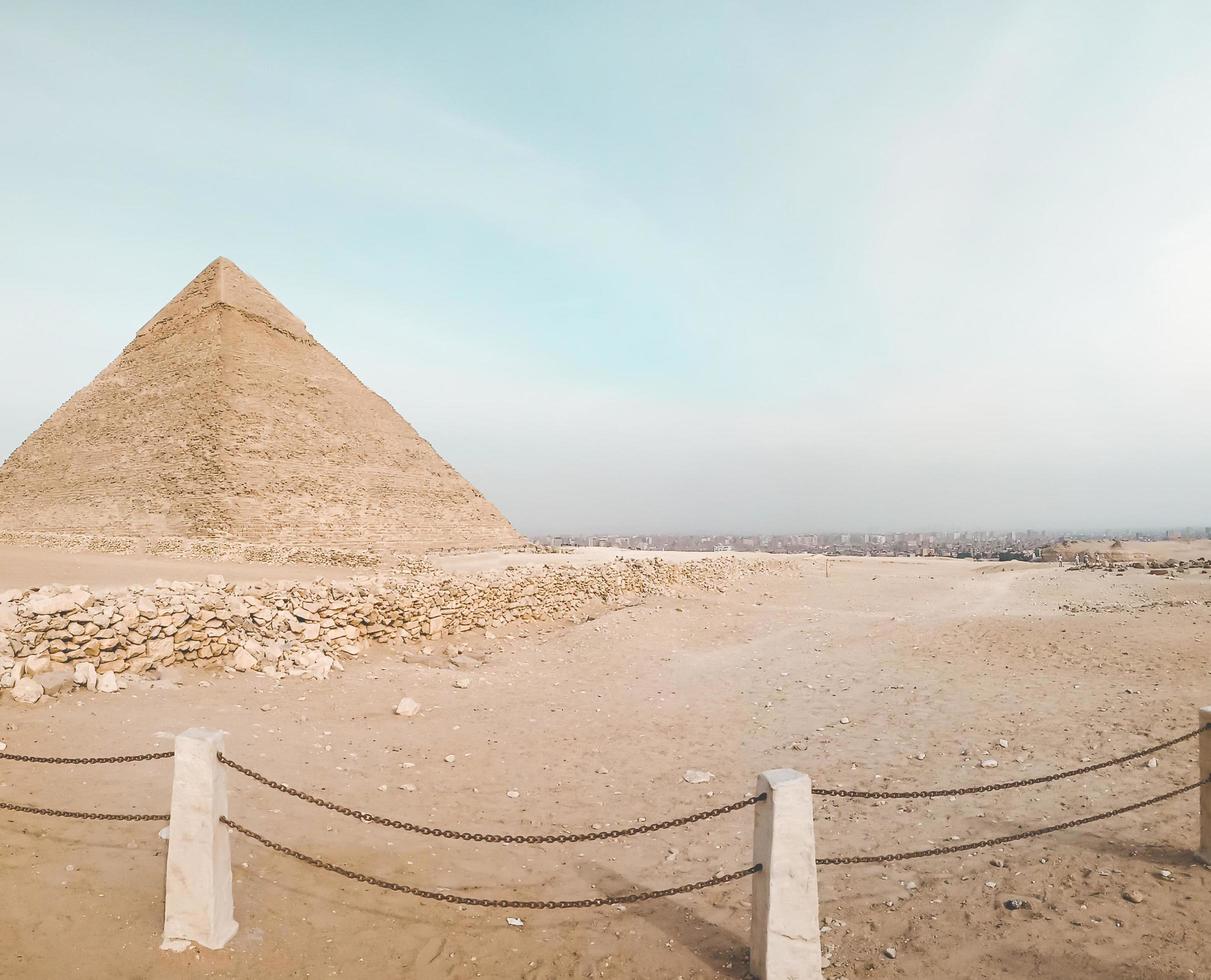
(716, 269)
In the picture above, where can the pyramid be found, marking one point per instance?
(225, 419)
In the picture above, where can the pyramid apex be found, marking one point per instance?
(223, 283)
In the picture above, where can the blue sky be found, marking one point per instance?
(660, 267)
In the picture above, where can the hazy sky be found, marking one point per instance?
(659, 266)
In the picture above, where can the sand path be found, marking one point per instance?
(594, 723)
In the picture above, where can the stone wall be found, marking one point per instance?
(300, 629)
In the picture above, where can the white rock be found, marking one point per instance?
(1003, 743)
(989, 764)
(27, 691)
(844, 721)
(463, 683)
(37, 665)
(407, 707)
(449, 758)
(697, 776)
(243, 660)
(515, 922)
(512, 794)
(107, 683)
(86, 675)
(50, 605)
(1151, 763)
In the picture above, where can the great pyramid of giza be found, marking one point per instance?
(225, 419)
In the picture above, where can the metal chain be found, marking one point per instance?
(490, 838)
(86, 761)
(82, 816)
(495, 903)
(992, 787)
(955, 848)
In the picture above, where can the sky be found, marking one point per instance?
(659, 267)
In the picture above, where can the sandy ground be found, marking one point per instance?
(25, 568)
(595, 723)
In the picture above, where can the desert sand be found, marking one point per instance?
(594, 722)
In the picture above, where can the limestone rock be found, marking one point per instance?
(37, 665)
(51, 605)
(407, 708)
(55, 682)
(27, 691)
(321, 664)
(160, 648)
(107, 683)
(243, 660)
(86, 676)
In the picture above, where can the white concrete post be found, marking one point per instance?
(197, 886)
(786, 904)
(1204, 791)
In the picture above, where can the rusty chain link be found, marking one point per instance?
(992, 787)
(495, 903)
(86, 760)
(955, 848)
(488, 838)
(82, 816)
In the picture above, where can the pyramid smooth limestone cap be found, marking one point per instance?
(223, 283)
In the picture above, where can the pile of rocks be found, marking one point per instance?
(1118, 607)
(300, 629)
(1102, 562)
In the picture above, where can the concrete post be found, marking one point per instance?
(786, 904)
(197, 886)
(1204, 791)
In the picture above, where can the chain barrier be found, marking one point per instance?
(992, 787)
(490, 838)
(86, 760)
(42, 811)
(955, 848)
(495, 903)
